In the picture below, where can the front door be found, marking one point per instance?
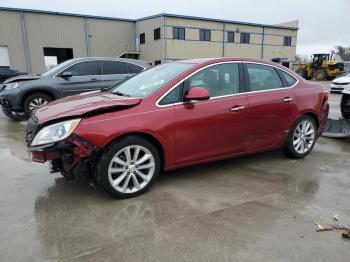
(85, 77)
(216, 127)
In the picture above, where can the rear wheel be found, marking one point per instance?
(128, 167)
(301, 138)
(320, 75)
(34, 101)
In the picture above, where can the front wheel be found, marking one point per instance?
(34, 101)
(301, 138)
(320, 75)
(128, 167)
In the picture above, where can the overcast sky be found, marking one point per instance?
(323, 23)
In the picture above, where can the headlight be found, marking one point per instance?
(332, 85)
(12, 85)
(55, 132)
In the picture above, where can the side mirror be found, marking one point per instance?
(197, 94)
(66, 74)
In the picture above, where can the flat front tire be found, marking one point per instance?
(128, 167)
(301, 138)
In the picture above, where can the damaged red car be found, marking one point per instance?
(175, 115)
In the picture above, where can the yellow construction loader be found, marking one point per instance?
(322, 67)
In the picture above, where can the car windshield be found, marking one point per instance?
(151, 80)
(56, 68)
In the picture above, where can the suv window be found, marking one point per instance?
(83, 69)
(113, 68)
(133, 69)
(289, 80)
(219, 80)
(262, 77)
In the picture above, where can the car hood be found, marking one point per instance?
(22, 78)
(342, 80)
(85, 104)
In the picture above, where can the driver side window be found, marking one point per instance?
(83, 69)
(219, 80)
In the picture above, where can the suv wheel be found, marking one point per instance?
(34, 101)
(301, 138)
(128, 167)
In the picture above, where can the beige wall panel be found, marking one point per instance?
(243, 28)
(279, 51)
(53, 31)
(193, 23)
(193, 49)
(153, 49)
(111, 38)
(11, 36)
(278, 31)
(242, 50)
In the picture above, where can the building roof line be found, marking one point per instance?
(147, 17)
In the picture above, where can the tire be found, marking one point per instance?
(114, 166)
(302, 72)
(345, 106)
(320, 75)
(38, 99)
(9, 114)
(291, 148)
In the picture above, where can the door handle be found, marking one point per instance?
(237, 108)
(288, 99)
(93, 79)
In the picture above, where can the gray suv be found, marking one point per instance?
(20, 95)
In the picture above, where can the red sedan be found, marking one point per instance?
(175, 115)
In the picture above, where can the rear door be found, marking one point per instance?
(272, 107)
(85, 77)
(113, 72)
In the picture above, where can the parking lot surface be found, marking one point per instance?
(256, 208)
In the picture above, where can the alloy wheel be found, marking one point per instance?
(304, 137)
(37, 102)
(131, 169)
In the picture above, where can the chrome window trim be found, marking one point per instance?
(216, 97)
(97, 60)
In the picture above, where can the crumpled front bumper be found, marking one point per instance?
(71, 156)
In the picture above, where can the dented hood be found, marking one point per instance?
(83, 105)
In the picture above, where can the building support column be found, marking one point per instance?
(165, 56)
(223, 38)
(25, 43)
(87, 37)
(262, 43)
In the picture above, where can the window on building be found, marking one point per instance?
(113, 68)
(157, 33)
(54, 56)
(263, 77)
(287, 41)
(179, 33)
(245, 38)
(230, 37)
(204, 35)
(142, 38)
(157, 62)
(85, 68)
(133, 69)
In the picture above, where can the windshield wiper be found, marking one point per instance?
(121, 94)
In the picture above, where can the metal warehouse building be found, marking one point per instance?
(31, 40)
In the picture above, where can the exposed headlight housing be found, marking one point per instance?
(55, 132)
(13, 85)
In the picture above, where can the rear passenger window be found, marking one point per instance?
(288, 78)
(113, 68)
(133, 69)
(263, 77)
(83, 69)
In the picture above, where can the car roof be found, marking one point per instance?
(134, 61)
